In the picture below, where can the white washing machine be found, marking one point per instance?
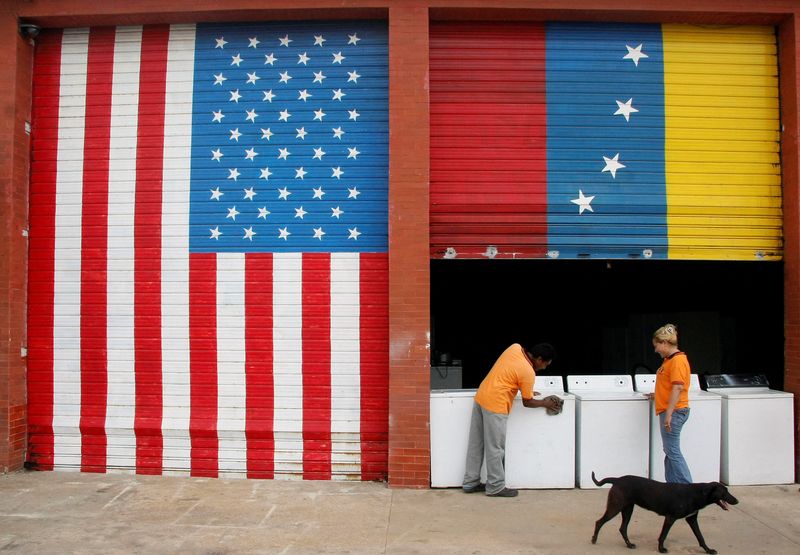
(757, 430)
(612, 428)
(700, 436)
(451, 412)
(540, 448)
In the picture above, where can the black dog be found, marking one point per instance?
(672, 501)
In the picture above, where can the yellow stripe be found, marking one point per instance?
(722, 142)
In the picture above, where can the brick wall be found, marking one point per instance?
(789, 48)
(15, 78)
(409, 267)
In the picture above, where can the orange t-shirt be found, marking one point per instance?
(512, 372)
(674, 370)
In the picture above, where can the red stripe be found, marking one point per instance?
(374, 303)
(488, 174)
(258, 366)
(94, 246)
(316, 366)
(41, 253)
(147, 245)
(203, 364)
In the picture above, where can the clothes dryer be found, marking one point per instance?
(612, 428)
(451, 412)
(757, 430)
(700, 436)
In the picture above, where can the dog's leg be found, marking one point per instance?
(627, 511)
(668, 522)
(692, 520)
(613, 506)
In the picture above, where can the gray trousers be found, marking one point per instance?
(487, 435)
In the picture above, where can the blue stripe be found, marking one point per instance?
(586, 75)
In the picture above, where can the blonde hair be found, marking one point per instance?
(668, 333)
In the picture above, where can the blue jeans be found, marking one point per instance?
(675, 467)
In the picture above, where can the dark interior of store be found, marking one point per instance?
(600, 315)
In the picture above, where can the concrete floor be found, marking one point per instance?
(56, 512)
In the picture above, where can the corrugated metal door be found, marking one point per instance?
(604, 141)
(208, 254)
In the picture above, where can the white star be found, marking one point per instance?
(303, 59)
(284, 193)
(353, 38)
(318, 77)
(319, 114)
(319, 153)
(336, 212)
(216, 194)
(215, 233)
(216, 155)
(304, 95)
(338, 95)
(283, 153)
(353, 193)
(634, 54)
(219, 79)
(301, 133)
(285, 41)
(612, 165)
(221, 42)
(337, 132)
(354, 152)
(300, 173)
(236, 60)
(318, 192)
(263, 212)
(337, 58)
(353, 115)
(254, 42)
(248, 233)
(354, 233)
(318, 40)
(265, 173)
(235, 96)
(268, 96)
(285, 115)
(270, 59)
(585, 203)
(318, 233)
(266, 133)
(299, 212)
(218, 116)
(250, 154)
(233, 173)
(252, 78)
(249, 193)
(337, 172)
(285, 77)
(284, 233)
(353, 76)
(626, 109)
(251, 115)
(232, 213)
(235, 135)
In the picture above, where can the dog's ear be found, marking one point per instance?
(713, 491)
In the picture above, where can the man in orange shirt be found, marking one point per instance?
(514, 371)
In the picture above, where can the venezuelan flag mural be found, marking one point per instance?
(574, 140)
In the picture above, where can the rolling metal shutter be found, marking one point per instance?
(208, 254)
(604, 141)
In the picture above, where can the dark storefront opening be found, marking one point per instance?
(600, 315)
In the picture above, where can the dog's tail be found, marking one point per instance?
(602, 482)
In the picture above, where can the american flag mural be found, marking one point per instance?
(208, 252)
(598, 140)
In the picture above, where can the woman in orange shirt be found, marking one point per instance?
(672, 401)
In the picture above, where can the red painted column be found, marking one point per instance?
(789, 49)
(409, 269)
(16, 58)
